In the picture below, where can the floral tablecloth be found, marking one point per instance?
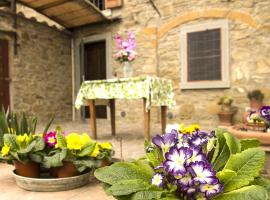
(157, 91)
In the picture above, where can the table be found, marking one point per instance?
(154, 91)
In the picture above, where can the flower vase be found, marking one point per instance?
(127, 69)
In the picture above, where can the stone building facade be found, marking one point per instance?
(40, 72)
(159, 51)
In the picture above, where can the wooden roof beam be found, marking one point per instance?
(50, 5)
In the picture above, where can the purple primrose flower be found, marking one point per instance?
(176, 160)
(166, 141)
(158, 179)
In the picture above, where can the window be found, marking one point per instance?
(204, 56)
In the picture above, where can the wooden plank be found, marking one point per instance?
(73, 14)
(62, 9)
(163, 119)
(146, 114)
(113, 3)
(53, 3)
(112, 109)
(83, 21)
(93, 122)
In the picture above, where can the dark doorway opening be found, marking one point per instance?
(95, 69)
(4, 74)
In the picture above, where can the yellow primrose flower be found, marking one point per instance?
(95, 152)
(23, 139)
(74, 141)
(106, 145)
(86, 139)
(5, 150)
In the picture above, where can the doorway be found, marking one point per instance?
(95, 69)
(4, 74)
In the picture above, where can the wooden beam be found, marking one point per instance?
(50, 5)
(4, 3)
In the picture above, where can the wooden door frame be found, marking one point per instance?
(10, 66)
(79, 63)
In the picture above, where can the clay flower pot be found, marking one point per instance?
(67, 170)
(30, 169)
(255, 104)
(54, 172)
(226, 118)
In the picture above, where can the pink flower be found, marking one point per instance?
(125, 47)
(50, 139)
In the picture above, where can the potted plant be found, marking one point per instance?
(227, 111)
(190, 165)
(72, 154)
(25, 153)
(19, 144)
(256, 99)
(255, 122)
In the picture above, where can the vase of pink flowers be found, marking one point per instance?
(126, 53)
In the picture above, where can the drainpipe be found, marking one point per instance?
(73, 78)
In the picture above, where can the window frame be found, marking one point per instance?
(223, 25)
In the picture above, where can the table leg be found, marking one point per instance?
(112, 111)
(93, 122)
(163, 119)
(146, 120)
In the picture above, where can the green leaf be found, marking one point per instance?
(40, 144)
(126, 187)
(253, 192)
(222, 158)
(28, 148)
(55, 160)
(10, 140)
(32, 125)
(87, 150)
(38, 158)
(24, 125)
(122, 171)
(262, 182)
(249, 143)
(61, 140)
(233, 143)
(247, 165)
(15, 123)
(220, 143)
(82, 165)
(154, 156)
(225, 175)
(147, 195)
(48, 125)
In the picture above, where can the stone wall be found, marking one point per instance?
(41, 71)
(159, 51)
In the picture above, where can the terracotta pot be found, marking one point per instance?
(226, 118)
(255, 104)
(104, 163)
(67, 170)
(30, 169)
(54, 171)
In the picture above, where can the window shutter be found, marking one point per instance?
(113, 3)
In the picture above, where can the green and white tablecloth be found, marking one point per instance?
(157, 91)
